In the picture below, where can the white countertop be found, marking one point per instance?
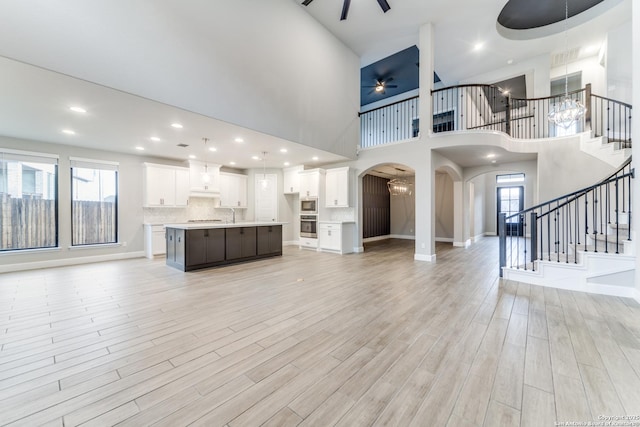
(222, 224)
(336, 222)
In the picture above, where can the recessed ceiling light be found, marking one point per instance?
(510, 61)
(155, 139)
(213, 149)
(255, 157)
(283, 150)
(478, 46)
(232, 163)
(287, 163)
(68, 131)
(490, 156)
(192, 156)
(77, 109)
(314, 158)
(239, 140)
(493, 161)
(176, 125)
(140, 148)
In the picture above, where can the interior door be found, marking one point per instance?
(511, 201)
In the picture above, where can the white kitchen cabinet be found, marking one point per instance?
(204, 179)
(308, 243)
(336, 237)
(165, 186)
(154, 240)
(337, 188)
(233, 190)
(310, 182)
(291, 179)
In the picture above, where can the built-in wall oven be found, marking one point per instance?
(308, 205)
(308, 226)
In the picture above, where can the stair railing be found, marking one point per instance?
(592, 219)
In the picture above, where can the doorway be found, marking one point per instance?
(510, 202)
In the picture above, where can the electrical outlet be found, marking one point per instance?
(124, 243)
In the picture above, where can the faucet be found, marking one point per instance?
(233, 215)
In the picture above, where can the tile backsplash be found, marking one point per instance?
(199, 208)
(342, 214)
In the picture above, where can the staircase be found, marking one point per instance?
(581, 241)
(611, 152)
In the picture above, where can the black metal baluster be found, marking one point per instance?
(617, 219)
(594, 199)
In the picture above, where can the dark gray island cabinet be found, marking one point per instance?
(191, 246)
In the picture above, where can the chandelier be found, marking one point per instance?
(400, 187)
(568, 111)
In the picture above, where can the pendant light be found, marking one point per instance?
(568, 111)
(399, 186)
(206, 178)
(264, 182)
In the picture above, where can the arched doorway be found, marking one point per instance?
(388, 211)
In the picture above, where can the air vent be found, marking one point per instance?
(559, 58)
(183, 145)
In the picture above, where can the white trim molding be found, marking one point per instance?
(444, 239)
(24, 266)
(424, 257)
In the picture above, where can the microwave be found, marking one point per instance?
(308, 205)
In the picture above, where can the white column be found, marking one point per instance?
(635, 137)
(425, 211)
(458, 214)
(426, 46)
(425, 176)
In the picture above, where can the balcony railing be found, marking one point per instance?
(485, 107)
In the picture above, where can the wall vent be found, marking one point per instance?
(183, 145)
(559, 58)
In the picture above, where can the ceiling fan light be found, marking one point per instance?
(379, 87)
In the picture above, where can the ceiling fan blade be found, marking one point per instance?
(390, 79)
(384, 5)
(345, 9)
(391, 86)
(306, 2)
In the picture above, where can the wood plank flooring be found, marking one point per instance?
(312, 339)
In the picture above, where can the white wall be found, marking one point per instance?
(536, 71)
(591, 72)
(403, 214)
(266, 77)
(619, 63)
(444, 206)
(479, 206)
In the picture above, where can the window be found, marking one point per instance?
(510, 178)
(28, 200)
(94, 202)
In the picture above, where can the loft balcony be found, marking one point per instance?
(466, 108)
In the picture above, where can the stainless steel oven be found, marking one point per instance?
(308, 226)
(308, 205)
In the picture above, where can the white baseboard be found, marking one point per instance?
(423, 257)
(64, 262)
(291, 243)
(478, 237)
(376, 238)
(402, 236)
(464, 244)
(358, 249)
(490, 233)
(444, 239)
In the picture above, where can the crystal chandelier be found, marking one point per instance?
(568, 111)
(400, 187)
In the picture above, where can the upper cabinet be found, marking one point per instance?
(233, 190)
(204, 179)
(292, 179)
(310, 182)
(337, 188)
(165, 186)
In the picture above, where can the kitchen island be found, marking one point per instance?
(191, 246)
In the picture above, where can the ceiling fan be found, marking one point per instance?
(381, 85)
(345, 7)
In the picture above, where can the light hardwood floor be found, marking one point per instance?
(312, 339)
